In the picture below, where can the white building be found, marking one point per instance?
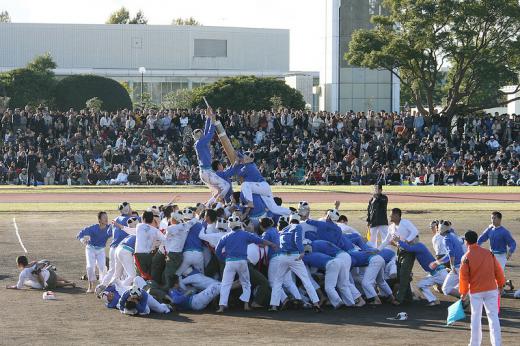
(174, 57)
(344, 87)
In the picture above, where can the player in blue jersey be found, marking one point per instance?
(219, 186)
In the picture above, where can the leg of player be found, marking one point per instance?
(228, 276)
(201, 300)
(273, 207)
(368, 282)
(90, 256)
(332, 270)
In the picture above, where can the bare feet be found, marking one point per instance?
(221, 309)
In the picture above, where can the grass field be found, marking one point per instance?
(76, 318)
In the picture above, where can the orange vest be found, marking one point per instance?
(480, 271)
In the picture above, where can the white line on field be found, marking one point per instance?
(18, 235)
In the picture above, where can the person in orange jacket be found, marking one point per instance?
(481, 276)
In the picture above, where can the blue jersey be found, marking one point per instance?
(117, 233)
(423, 255)
(291, 239)
(129, 243)
(358, 241)
(140, 306)
(193, 242)
(113, 303)
(202, 145)
(181, 300)
(317, 260)
(387, 254)
(251, 174)
(272, 235)
(454, 247)
(325, 247)
(360, 258)
(98, 236)
(500, 239)
(328, 231)
(236, 243)
(259, 208)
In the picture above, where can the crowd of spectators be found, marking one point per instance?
(155, 147)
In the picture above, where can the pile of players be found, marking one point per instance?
(171, 259)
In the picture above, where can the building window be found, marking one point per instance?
(210, 48)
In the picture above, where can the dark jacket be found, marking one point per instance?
(377, 210)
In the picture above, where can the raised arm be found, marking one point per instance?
(484, 237)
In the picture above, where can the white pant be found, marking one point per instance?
(125, 267)
(264, 190)
(193, 259)
(112, 267)
(451, 283)
(425, 284)
(374, 273)
(374, 231)
(200, 300)
(332, 270)
(490, 301)
(214, 182)
(288, 283)
(152, 303)
(502, 259)
(344, 279)
(198, 281)
(232, 268)
(391, 269)
(290, 263)
(95, 257)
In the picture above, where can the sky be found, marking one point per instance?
(304, 18)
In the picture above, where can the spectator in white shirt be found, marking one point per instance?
(121, 142)
(105, 120)
(130, 123)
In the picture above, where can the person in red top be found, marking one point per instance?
(482, 277)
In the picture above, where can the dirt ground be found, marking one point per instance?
(288, 197)
(76, 318)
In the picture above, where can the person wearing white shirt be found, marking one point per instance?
(38, 275)
(105, 120)
(405, 231)
(121, 142)
(176, 234)
(345, 228)
(437, 241)
(130, 124)
(147, 235)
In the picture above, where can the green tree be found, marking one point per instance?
(186, 21)
(74, 91)
(181, 98)
(4, 17)
(247, 92)
(121, 16)
(477, 40)
(139, 18)
(42, 63)
(32, 85)
(94, 104)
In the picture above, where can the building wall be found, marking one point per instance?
(175, 57)
(158, 47)
(304, 84)
(347, 87)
